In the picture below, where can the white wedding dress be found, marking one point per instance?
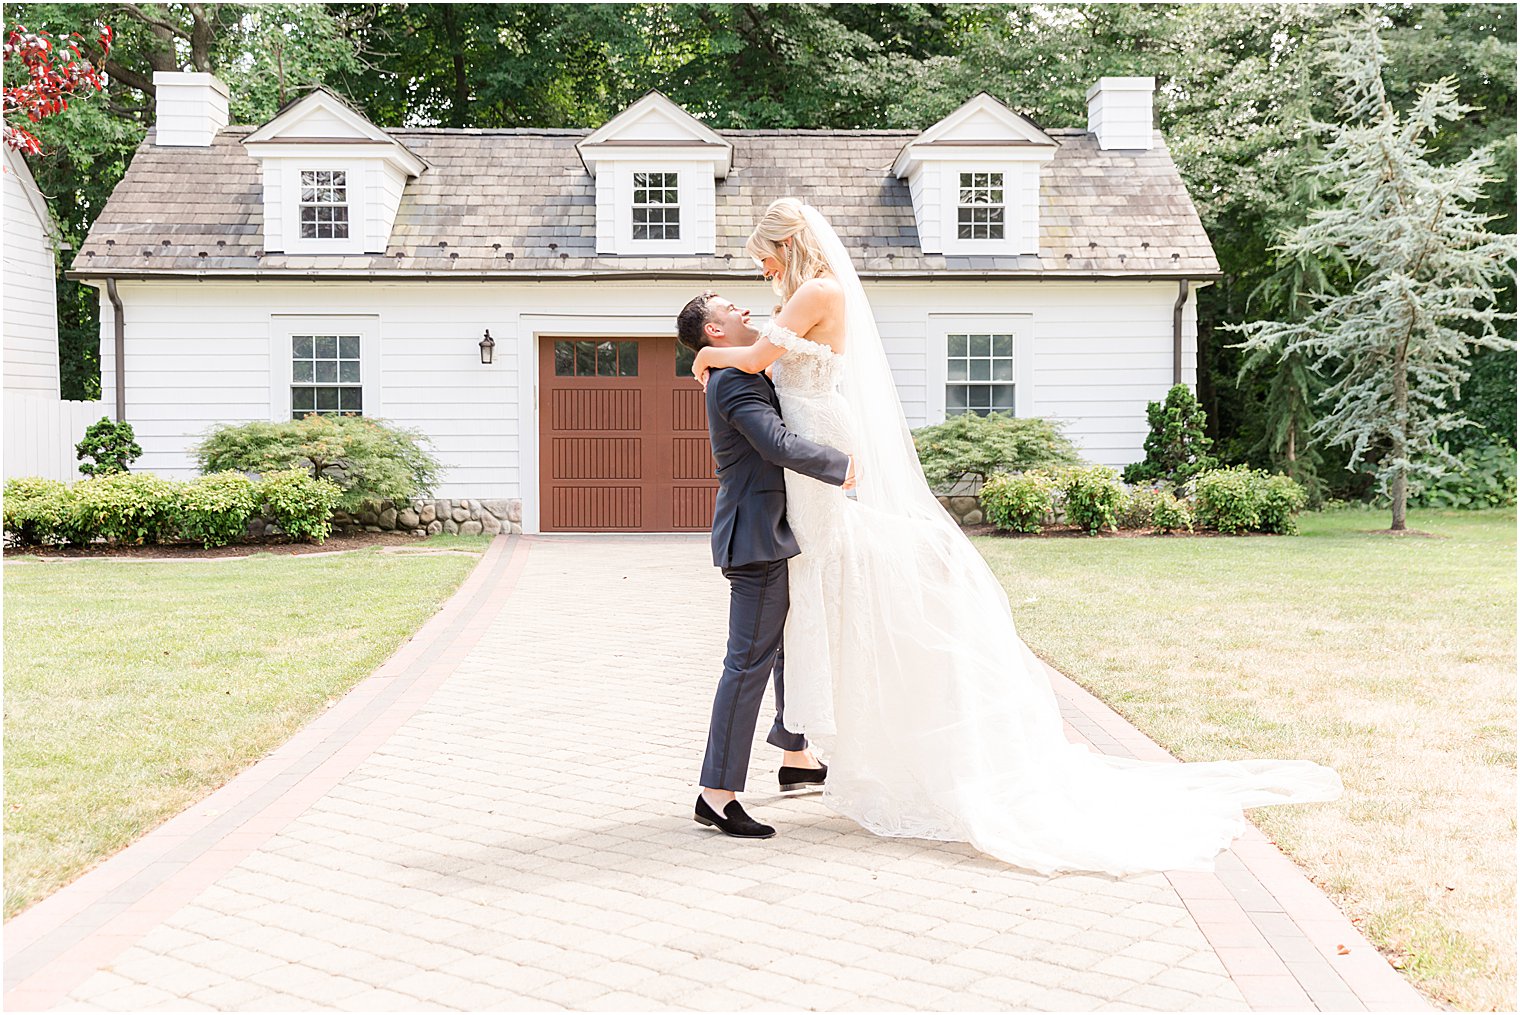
(903, 664)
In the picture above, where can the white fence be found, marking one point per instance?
(40, 434)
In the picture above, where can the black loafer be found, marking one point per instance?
(795, 779)
(733, 821)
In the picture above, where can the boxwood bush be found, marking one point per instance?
(1168, 514)
(215, 510)
(127, 507)
(299, 503)
(1241, 499)
(39, 512)
(1018, 503)
(1092, 497)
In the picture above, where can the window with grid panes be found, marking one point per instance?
(324, 373)
(979, 213)
(324, 204)
(656, 207)
(979, 374)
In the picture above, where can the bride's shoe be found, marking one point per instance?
(802, 779)
(733, 821)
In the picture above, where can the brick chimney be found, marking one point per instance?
(1119, 112)
(189, 108)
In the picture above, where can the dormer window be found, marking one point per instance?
(324, 204)
(979, 215)
(656, 206)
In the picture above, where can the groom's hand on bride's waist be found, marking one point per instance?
(851, 476)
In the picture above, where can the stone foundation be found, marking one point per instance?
(465, 516)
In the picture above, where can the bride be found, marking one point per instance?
(902, 658)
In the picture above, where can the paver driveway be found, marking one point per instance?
(499, 818)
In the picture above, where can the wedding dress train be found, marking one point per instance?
(903, 662)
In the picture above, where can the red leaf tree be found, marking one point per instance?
(52, 75)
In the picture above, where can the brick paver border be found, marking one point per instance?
(1279, 937)
(56, 944)
(1282, 940)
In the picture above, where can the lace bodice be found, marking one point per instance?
(808, 370)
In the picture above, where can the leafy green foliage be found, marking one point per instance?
(1135, 511)
(1018, 503)
(1242, 499)
(1176, 449)
(215, 510)
(112, 446)
(369, 459)
(127, 507)
(1168, 514)
(1092, 497)
(972, 447)
(299, 504)
(1484, 477)
(38, 512)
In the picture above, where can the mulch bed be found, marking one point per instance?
(1073, 531)
(272, 544)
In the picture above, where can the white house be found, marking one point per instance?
(40, 428)
(321, 263)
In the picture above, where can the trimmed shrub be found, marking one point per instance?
(972, 447)
(1168, 514)
(1092, 497)
(1018, 503)
(1241, 499)
(214, 510)
(299, 503)
(1176, 448)
(1228, 499)
(127, 507)
(39, 512)
(1135, 512)
(1281, 500)
(369, 460)
(112, 446)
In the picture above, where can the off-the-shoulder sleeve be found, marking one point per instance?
(786, 338)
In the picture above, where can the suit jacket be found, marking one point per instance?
(752, 447)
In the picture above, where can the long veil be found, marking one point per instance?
(945, 723)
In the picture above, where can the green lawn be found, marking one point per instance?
(1390, 658)
(134, 688)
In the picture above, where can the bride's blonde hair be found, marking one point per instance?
(801, 259)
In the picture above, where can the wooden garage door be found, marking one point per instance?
(623, 431)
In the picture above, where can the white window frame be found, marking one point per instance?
(623, 201)
(317, 205)
(950, 206)
(1001, 186)
(358, 180)
(282, 331)
(634, 206)
(936, 373)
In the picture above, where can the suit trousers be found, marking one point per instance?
(756, 620)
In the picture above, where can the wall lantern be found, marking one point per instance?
(487, 348)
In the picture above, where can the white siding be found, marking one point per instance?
(30, 302)
(201, 353)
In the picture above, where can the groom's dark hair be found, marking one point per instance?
(691, 321)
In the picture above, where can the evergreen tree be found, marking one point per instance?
(1397, 342)
(1176, 449)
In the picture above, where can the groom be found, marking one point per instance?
(751, 542)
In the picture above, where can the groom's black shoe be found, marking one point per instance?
(733, 821)
(794, 779)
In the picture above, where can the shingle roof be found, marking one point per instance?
(520, 203)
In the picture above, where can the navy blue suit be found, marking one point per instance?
(751, 542)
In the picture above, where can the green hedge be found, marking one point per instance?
(1018, 503)
(139, 508)
(1241, 499)
(972, 447)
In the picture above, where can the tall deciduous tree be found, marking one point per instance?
(1396, 343)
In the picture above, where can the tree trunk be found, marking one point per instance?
(1292, 455)
(1400, 449)
(459, 106)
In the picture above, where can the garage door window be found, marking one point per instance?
(596, 359)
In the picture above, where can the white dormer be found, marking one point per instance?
(332, 180)
(975, 180)
(656, 168)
